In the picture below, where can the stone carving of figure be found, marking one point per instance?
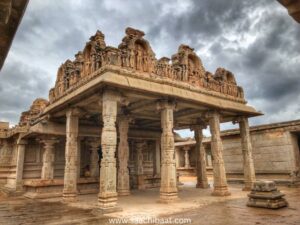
(125, 58)
(79, 61)
(139, 65)
(145, 63)
(132, 59)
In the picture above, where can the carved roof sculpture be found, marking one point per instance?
(36, 108)
(135, 54)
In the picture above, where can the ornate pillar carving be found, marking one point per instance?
(71, 156)
(107, 198)
(249, 171)
(219, 174)
(202, 181)
(94, 157)
(157, 158)
(123, 156)
(48, 158)
(168, 189)
(139, 164)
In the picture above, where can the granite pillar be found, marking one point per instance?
(71, 156)
(219, 174)
(168, 189)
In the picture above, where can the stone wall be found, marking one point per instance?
(34, 156)
(273, 154)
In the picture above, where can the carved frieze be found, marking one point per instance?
(135, 53)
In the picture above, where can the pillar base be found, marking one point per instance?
(248, 186)
(109, 202)
(141, 182)
(107, 210)
(202, 185)
(69, 197)
(123, 192)
(246, 189)
(10, 192)
(168, 197)
(221, 191)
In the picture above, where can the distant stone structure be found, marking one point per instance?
(276, 152)
(113, 110)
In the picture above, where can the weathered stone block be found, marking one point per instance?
(264, 194)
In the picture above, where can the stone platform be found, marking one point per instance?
(264, 194)
(38, 189)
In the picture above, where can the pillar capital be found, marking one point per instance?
(240, 119)
(111, 94)
(166, 104)
(49, 141)
(124, 120)
(73, 112)
(212, 114)
(199, 126)
(21, 141)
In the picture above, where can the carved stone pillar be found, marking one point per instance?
(219, 174)
(249, 172)
(79, 157)
(123, 156)
(157, 157)
(186, 157)
(48, 158)
(139, 165)
(71, 156)
(202, 181)
(94, 157)
(107, 198)
(168, 189)
(17, 183)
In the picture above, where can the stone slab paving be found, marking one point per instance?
(196, 204)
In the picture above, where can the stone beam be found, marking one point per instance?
(140, 105)
(11, 13)
(53, 128)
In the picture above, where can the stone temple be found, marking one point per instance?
(108, 126)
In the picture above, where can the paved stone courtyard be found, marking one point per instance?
(195, 204)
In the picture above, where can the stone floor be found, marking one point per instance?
(196, 206)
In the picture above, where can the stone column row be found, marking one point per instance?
(219, 174)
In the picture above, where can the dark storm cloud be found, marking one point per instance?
(256, 40)
(19, 88)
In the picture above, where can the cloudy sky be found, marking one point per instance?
(256, 40)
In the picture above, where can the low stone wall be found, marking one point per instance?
(272, 154)
(38, 188)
